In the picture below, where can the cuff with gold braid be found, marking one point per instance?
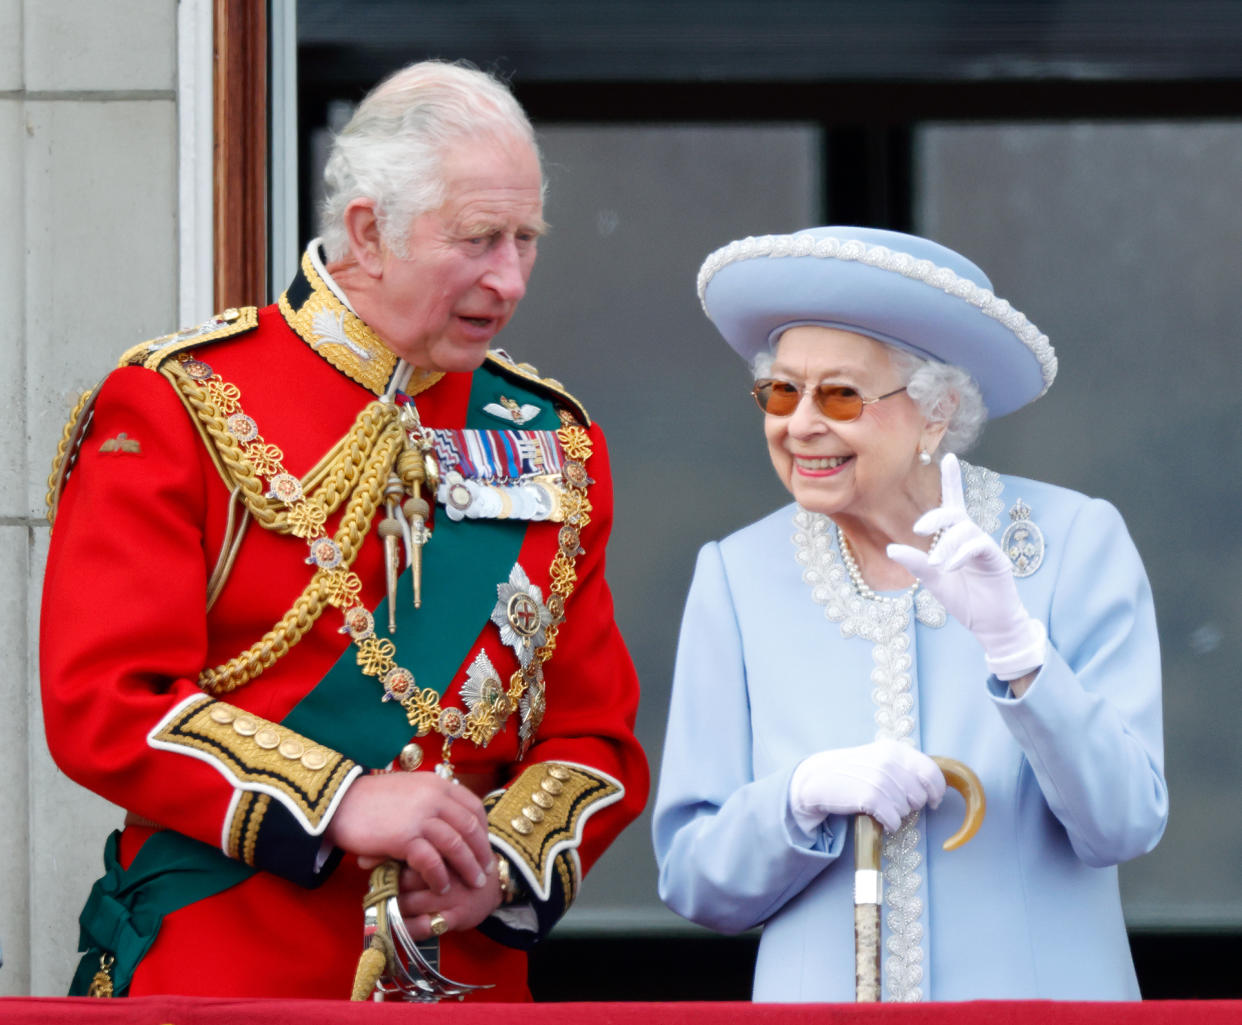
(285, 786)
(537, 824)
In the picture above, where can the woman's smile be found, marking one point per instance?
(819, 466)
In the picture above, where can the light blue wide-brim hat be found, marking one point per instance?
(897, 288)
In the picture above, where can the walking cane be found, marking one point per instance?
(868, 886)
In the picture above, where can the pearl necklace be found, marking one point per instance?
(864, 589)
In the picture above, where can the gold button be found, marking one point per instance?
(411, 757)
(558, 772)
(315, 759)
(245, 726)
(222, 714)
(544, 800)
(267, 738)
(522, 826)
(552, 786)
(293, 749)
(534, 814)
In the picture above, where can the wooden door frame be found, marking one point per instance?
(240, 130)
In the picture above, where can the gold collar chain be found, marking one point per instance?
(526, 692)
(378, 450)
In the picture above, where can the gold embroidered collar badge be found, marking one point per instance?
(333, 331)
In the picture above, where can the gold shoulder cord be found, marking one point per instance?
(216, 405)
(356, 469)
(359, 473)
(66, 452)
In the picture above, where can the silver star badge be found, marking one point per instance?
(522, 616)
(482, 690)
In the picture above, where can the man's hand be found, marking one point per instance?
(462, 907)
(435, 827)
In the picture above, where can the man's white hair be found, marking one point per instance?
(391, 149)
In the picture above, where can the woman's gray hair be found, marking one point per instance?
(943, 392)
(391, 149)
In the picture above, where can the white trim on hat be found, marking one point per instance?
(816, 244)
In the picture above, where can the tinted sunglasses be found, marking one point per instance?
(836, 401)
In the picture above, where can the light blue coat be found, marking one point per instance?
(1073, 771)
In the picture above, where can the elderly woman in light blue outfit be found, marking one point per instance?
(907, 604)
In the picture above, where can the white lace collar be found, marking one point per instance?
(876, 619)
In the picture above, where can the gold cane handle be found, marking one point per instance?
(963, 779)
(868, 845)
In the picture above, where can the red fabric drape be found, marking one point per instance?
(174, 1010)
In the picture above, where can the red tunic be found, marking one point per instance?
(126, 633)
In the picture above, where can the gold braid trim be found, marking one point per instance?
(542, 815)
(263, 760)
(67, 451)
(360, 467)
(338, 335)
(226, 324)
(148, 354)
(548, 387)
(214, 403)
(357, 469)
(336, 586)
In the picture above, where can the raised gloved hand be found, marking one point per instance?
(884, 779)
(970, 575)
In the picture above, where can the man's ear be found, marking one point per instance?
(363, 231)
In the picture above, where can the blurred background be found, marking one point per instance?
(1086, 154)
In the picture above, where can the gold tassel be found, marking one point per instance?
(379, 953)
(370, 967)
(101, 984)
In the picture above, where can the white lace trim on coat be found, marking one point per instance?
(885, 622)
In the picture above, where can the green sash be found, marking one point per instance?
(462, 564)
(126, 906)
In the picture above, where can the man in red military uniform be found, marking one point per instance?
(326, 592)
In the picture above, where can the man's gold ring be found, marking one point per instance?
(438, 925)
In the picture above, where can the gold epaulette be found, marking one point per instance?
(149, 354)
(527, 376)
(233, 321)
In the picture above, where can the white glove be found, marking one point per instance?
(885, 779)
(973, 579)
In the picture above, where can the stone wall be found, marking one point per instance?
(88, 266)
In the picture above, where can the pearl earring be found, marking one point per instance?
(924, 457)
